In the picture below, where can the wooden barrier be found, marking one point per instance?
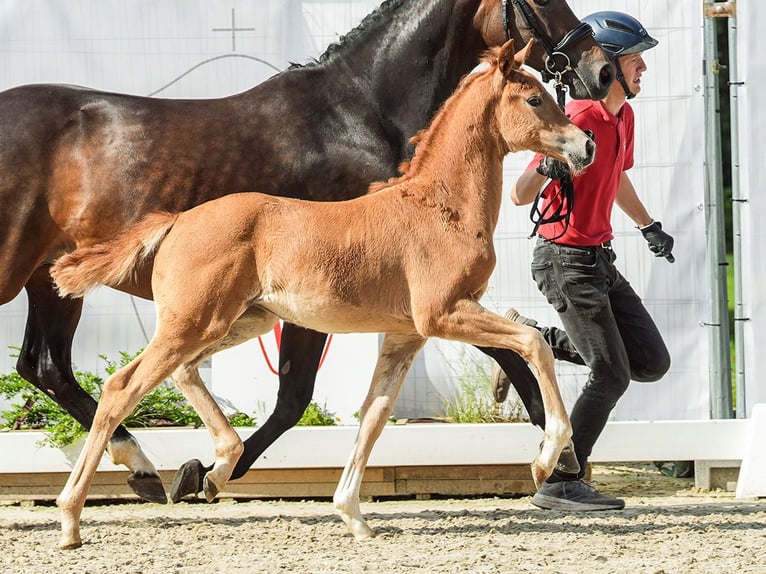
(397, 481)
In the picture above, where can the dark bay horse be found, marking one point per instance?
(428, 233)
(77, 166)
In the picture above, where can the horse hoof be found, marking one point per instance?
(539, 476)
(211, 489)
(568, 460)
(187, 481)
(501, 384)
(69, 544)
(148, 486)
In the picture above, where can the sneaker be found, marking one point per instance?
(517, 317)
(575, 496)
(500, 382)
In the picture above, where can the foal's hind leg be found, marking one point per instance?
(45, 361)
(228, 445)
(189, 478)
(120, 394)
(394, 360)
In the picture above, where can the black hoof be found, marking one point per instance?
(567, 462)
(501, 384)
(148, 486)
(188, 480)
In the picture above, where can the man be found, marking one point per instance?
(606, 325)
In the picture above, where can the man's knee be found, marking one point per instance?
(608, 383)
(653, 370)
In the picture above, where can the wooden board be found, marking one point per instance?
(397, 481)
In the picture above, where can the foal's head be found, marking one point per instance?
(528, 116)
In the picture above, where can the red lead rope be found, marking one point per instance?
(278, 338)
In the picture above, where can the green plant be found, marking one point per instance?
(242, 420)
(317, 416)
(474, 401)
(33, 409)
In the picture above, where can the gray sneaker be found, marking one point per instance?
(574, 496)
(516, 317)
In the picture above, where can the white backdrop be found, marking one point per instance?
(187, 48)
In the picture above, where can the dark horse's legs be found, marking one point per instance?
(299, 356)
(45, 361)
(521, 377)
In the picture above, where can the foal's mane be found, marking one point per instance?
(348, 41)
(422, 140)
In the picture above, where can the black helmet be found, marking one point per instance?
(619, 34)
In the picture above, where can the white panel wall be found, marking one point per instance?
(181, 48)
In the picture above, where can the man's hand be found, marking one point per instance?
(552, 168)
(660, 243)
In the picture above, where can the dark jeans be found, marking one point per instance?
(606, 327)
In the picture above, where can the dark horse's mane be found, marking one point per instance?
(422, 138)
(348, 40)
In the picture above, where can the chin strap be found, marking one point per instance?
(621, 78)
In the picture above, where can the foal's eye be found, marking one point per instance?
(535, 101)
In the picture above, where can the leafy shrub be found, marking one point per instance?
(33, 409)
(317, 416)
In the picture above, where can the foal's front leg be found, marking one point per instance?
(394, 360)
(469, 322)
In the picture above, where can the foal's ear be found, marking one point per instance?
(523, 54)
(505, 61)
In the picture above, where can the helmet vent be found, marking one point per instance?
(615, 25)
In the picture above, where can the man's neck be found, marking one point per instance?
(614, 100)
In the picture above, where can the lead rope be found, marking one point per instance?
(563, 210)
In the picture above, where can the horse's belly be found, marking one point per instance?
(336, 316)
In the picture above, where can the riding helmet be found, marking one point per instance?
(619, 34)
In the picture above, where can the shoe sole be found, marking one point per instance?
(551, 503)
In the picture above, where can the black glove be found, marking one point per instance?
(552, 168)
(660, 243)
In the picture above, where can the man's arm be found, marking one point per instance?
(630, 203)
(525, 188)
(660, 243)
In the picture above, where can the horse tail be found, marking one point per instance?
(113, 262)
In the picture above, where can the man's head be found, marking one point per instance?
(624, 39)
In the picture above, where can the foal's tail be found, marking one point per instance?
(113, 262)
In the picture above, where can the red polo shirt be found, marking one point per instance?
(595, 189)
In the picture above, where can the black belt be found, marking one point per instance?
(604, 245)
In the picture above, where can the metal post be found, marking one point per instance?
(738, 202)
(720, 359)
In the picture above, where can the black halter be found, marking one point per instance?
(557, 61)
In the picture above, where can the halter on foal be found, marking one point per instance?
(410, 260)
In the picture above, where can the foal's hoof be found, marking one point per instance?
(69, 544)
(148, 486)
(211, 489)
(187, 481)
(539, 475)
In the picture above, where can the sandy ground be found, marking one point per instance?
(667, 527)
